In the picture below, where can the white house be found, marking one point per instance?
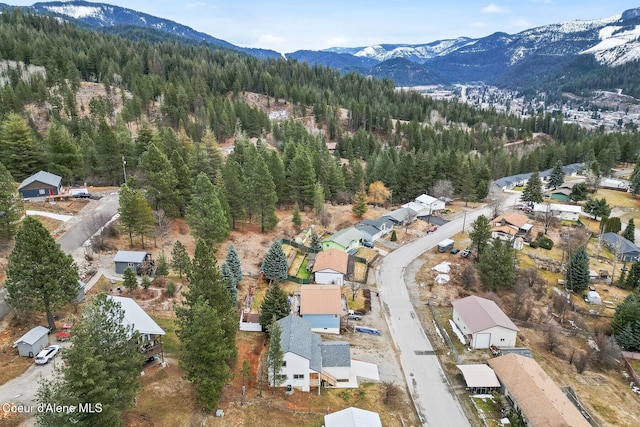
(558, 210)
(308, 362)
(332, 266)
(483, 323)
(373, 229)
(432, 204)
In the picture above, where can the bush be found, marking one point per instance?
(545, 243)
(534, 244)
(171, 288)
(394, 237)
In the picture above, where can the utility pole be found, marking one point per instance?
(124, 169)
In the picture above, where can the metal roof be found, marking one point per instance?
(480, 314)
(353, 417)
(479, 375)
(44, 177)
(345, 236)
(136, 317)
(613, 240)
(130, 256)
(32, 336)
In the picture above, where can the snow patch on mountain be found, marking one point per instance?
(618, 45)
(77, 12)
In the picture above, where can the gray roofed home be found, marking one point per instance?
(132, 259)
(297, 338)
(345, 239)
(623, 248)
(401, 216)
(335, 354)
(40, 184)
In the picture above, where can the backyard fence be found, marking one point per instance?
(444, 333)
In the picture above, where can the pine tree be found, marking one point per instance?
(17, 147)
(360, 202)
(128, 215)
(204, 215)
(230, 282)
(274, 265)
(577, 275)
(180, 258)
(532, 192)
(162, 268)
(63, 156)
(10, 206)
(263, 198)
(296, 218)
(464, 187)
(634, 180)
(236, 191)
(318, 199)
(496, 266)
(233, 261)
(302, 179)
(626, 319)
(144, 218)
(130, 280)
(160, 180)
(109, 351)
(275, 305)
(630, 231)
(275, 357)
(556, 178)
(480, 234)
(632, 280)
(184, 182)
(40, 277)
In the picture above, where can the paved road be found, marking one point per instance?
(433, 396)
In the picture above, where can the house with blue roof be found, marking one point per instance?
(624, 249)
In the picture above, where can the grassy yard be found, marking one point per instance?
(303, 273)
(620, 199)
(170, 342)
(488, 409)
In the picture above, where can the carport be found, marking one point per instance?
(480, 378)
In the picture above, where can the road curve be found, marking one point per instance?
(433, 396)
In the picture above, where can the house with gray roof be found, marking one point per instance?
(621, 247)
(135, 260)
(345, 240)
(40, 184)
(483, 323)
(307, 361)
(402, 216)
(373, 229)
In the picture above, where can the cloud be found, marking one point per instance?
(335, 41)
(196, 5)
(520, 23)
(493, 8)
(270, 39)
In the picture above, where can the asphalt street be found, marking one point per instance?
(433, 396)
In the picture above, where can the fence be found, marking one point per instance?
(300, 247)
(444, 333)
(631, 371)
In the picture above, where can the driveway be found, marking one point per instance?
(433, 396)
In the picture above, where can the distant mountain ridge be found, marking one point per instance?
(523, 60)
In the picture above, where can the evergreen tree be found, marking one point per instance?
(532, 192)
(102, 367)
(10, 206)
(626, 321)
(207, 327)
(275, 305)
(598, 208)
(296, 218)
(556, 178)
(162, 268)
(634, 180)
(633, 277)
(302, 179)
(263, 198)
(233, 261)
(497, 267)
(612, 225)
(480, 234)
(275, 356)
(144, 218)
(206, 351)
(184, 182)
(318, 199)
(236, 190)
(274, 265)
(180, 258)
(204, 215)
(360, 202)
(464, 185)
(63, 156)
(630, 231)
(579, 191)
(40, 276)
(230, 282)
(316, 243)
(17, 148)
(128, 215)
(130, 280)
(160, 180)
(577, 275)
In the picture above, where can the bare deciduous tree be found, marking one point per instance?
(162, 226)
(552, 337)
(531, 278)
(443, 189)
(521, 306)
(560, 305)
(468, 277)
(607, 355)
(580, 361)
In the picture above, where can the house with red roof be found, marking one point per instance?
(483, 323)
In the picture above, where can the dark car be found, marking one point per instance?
(367, 244)
(82, 196)
(455, 251)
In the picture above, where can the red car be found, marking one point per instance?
(65, 332)
(432, 229)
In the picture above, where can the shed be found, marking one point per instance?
(483, 323)
(132, 259)
(479, 378)
(32, 342)
(40, 184)
(593, 297)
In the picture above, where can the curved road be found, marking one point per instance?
(433, 397)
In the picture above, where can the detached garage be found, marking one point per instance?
(483, 323)
(32, 342)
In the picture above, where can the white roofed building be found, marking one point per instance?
(150, 332)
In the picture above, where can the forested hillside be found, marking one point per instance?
(168, 104)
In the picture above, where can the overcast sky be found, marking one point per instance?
(286, 25)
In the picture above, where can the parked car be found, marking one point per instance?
(47, 354)
(82, 196)
(432, 229)
(355, 317)
(367, 244)
(65, 332)
(455, 251)
(465, 253)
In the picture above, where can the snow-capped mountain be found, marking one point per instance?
(523, 59)
(101, 15)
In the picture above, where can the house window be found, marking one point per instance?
(298, 376)
(284, 363)
(501, 339)
(41, 191)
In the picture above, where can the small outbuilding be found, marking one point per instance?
(480, 378)
(353, 417)
(136, 260)
(40, 184)
(483, 323)
(32, 342)
(593, 297)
